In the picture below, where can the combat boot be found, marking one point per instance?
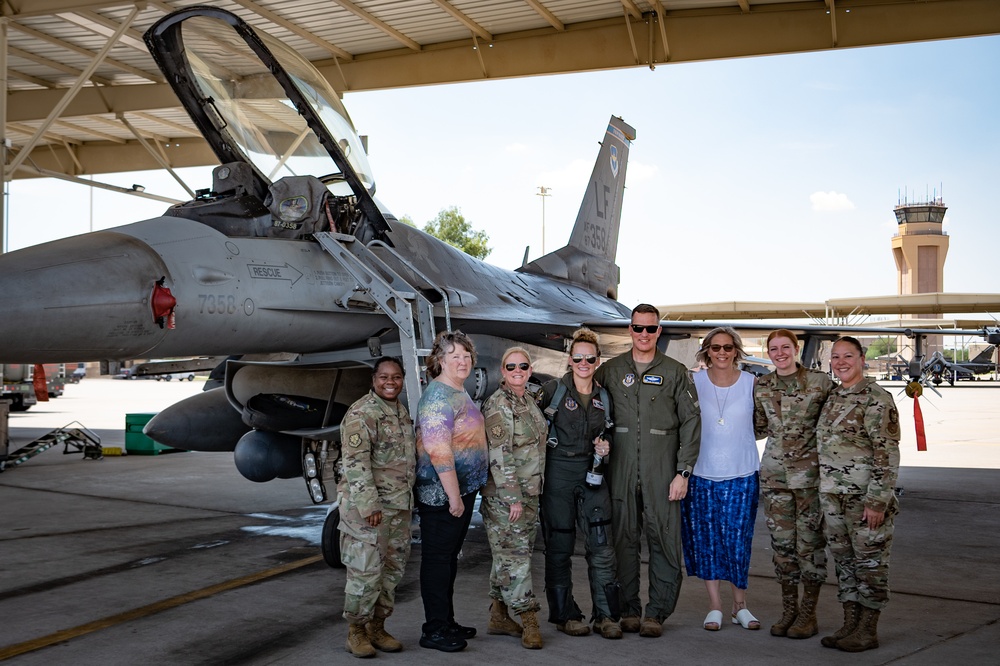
(501, 623)
(865, 637)
(852, 613)
(357, 641)
(380, 638)
(607, 628)
(805, 623)
(532, 636)
(789, 609)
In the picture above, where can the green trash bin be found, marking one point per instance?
(137, 443)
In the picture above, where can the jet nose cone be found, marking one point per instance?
(77, 299)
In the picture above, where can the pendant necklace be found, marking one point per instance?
(722, 407)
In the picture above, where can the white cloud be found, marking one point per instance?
(641, 171)
(516, 148)
(830, 201)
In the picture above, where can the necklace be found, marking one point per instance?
(722, 408)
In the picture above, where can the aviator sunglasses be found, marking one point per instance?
(591, 359)
(639, 328)
(716, 348)
(510, 366)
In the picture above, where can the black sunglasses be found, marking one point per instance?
(591, 359)
(510, 366)
(639, 328)
(716, 348)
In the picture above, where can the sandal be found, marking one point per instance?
(746, 619)
(713, 621)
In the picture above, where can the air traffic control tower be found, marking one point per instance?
(920, 247)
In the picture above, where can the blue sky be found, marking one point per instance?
(769, 179)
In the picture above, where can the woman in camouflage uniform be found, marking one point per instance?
(787, 403)
(376, 502)
(515, 432)
(858, 435)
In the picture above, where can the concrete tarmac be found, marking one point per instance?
(176, 559)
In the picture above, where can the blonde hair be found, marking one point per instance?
(515, 350)
(585, 335)
(702, 355)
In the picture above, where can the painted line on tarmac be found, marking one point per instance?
(151, 609)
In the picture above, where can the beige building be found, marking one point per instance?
(920, 248)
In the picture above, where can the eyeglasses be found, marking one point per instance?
(639, 328)
(510, 366)
(591, 359)
(716, 348)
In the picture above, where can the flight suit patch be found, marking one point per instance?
(598, 404)
(655, 380)
(571, 404)
(629, 380)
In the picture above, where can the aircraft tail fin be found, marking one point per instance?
(588, 260)
(985, 356)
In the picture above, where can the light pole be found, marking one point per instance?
(543, 192)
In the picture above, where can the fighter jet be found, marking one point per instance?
(937, 369)
(289, 253)
(290, 256)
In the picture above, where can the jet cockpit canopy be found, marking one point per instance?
(256, 100)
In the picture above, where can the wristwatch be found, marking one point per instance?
(684, 473)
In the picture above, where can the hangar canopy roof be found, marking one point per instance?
(84, 96)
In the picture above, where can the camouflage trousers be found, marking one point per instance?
(861, 555)
(512, 545)
(795, 519)
(374, 559)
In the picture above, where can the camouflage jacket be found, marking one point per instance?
(378, 455)
(657, 425)
(858, 436)
(787, 416)
(515, 432)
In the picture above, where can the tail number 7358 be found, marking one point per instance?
(217, 303)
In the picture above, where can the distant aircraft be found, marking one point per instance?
(937, 369)
(291, 268)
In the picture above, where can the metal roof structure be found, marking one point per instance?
(936, 303)
(84, 96)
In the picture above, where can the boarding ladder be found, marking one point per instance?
(79, 437)
(395, 296)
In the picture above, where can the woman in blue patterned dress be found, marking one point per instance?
(720, 509)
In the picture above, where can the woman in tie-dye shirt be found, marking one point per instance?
(452, 465)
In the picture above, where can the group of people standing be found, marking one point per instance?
(680, 466)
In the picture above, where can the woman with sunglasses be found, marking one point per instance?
(718, 514)
(452, 465)
(579, 417)
(515, 432)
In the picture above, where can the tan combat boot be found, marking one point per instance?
(805, 623)
(357, 641)
(852, 613)
(532, 637)
(789, 609)
(607, 628)
(865, 637)
(380, 638)
(501, 623)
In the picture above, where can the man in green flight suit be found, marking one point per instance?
(657, 438)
